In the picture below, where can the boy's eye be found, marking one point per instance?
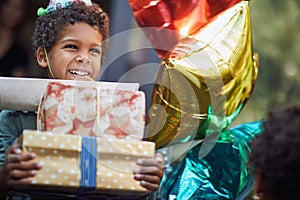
(97, 51)
(70, 46)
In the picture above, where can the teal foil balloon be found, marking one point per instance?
(223, 174)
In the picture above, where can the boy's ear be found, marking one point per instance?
(41, 57)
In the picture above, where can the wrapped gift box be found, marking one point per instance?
(86, 165)
(92, 111)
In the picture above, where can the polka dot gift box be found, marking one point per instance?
(83, 164)
(116, 113)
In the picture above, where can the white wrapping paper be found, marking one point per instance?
(25, 93)
(92, 111)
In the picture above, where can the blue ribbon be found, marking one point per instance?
(88, 162)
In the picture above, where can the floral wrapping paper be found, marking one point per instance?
(66, 169)
(92, 111)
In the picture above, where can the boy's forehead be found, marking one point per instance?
(80, 30)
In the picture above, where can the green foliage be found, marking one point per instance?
(275, 29)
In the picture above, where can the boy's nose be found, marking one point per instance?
(83, 59)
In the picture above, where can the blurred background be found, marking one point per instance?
(275, 27)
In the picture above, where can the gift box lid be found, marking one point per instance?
(49, 140)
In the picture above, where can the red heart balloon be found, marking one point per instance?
(174, 19)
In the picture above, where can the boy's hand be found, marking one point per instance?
(150, 172)
(18, 168)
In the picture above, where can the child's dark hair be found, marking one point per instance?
(50, 25)
(275, 153)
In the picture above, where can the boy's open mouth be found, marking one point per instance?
(79, 73)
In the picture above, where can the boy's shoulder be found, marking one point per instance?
(17, 119)
(14, 114)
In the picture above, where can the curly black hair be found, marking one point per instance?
(275, 153)
(49, 26)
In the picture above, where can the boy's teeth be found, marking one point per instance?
(79, 73)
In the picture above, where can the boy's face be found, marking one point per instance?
(76, 55)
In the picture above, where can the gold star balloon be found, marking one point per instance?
(205, 80)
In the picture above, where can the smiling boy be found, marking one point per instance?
(69, 43)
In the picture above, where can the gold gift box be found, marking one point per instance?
(61, 156)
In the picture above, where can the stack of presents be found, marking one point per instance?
(88, 139)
